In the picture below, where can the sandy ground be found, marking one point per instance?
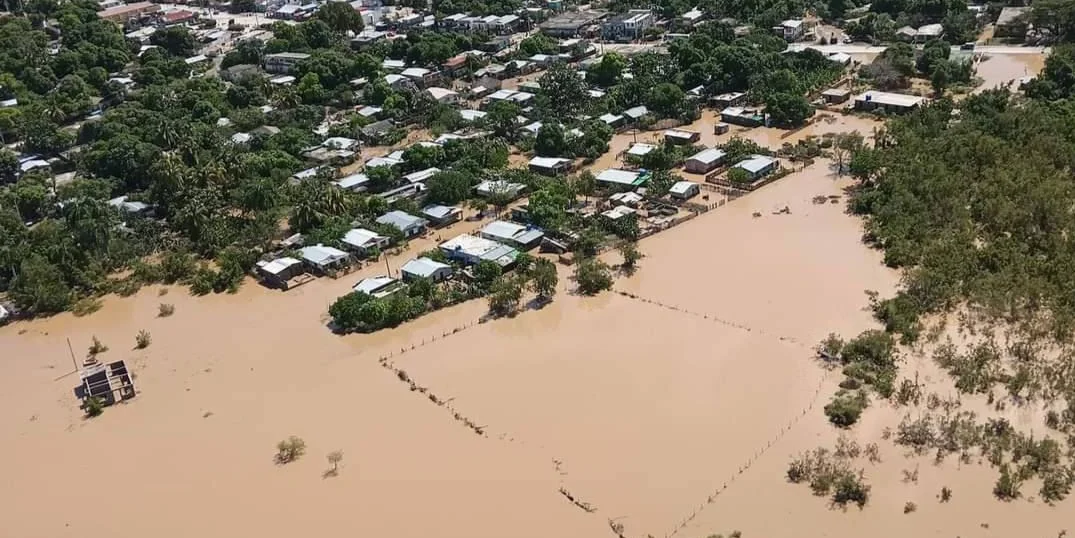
(643, 408)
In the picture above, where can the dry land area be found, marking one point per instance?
(670, 406)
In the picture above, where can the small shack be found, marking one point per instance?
(409, 224)
(324, 259)
(835, 96)
(684, 190)
(681, 137)
(277, 272)
(442, 215)
(426, 268)
(107, 383)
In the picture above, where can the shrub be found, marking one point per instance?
(97, 347)
(142, 340)
(593, 276)
(166, 310)
(1056, 485)
(94, 407)
(909, 507)
(203, 281)
(1007, 486)
(334, 458)
(86, 306)
(851, 488)
(289, 450)
(505, 294)
(946, 494)
(630, 253)
(846, 407)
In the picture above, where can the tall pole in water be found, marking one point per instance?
(72, 351)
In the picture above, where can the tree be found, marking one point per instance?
(843, 146)
(9, 166)
(631, 255)
(289, 450)
(334, 458)
(939, 79)
(177, 40)
(544, 278)
(563, 93)
(551, 140)
(485, 273)
(501, 118)
(607, 72)
(340, 17)
(592, 276)
(667, 100)
(788, 109)
(39, 287)
(449, 187)
(505, 294)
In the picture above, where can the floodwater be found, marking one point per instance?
(1005, 70)
(641, 408)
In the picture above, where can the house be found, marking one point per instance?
(747, 117)
(177, 16)
(323, 259)
(126, 12)
(308, 173)
(196, 59)
(420, 75)
(409, 224)
(620, 179)
(421, 176)
(841, 58)
(470, 250)
(888, 102)
(550, 166)
(791, 30)
(692, 17)
(639, 149)
(278, 271)
(284, 62)
(930, 31)
(363, 241)
(377, 132)
(493, 187)
(633, 115)
(835, 96)
(282, 80)
(329, 155)
(571, 23)
(377, 287)
(758, 165)
(367, 37)
(512, 234)
(288, 12)
(393, 66)
(370, 111)
(353, 182)
(612, 120)
(471, 115)
(443, 95)
(628, 26)
(1012, 22)
(425, 268)
(241, 138)
(906, 34)
(681, 136)
(704, 161)
(684, 190)
(134, 208)
(627, 198)
(619, 212)
(726, 100)
(387, 160)
(442, 215)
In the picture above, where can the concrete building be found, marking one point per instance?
(621, 179)
(628, 26)
(705, 161)
(791, 30)
(747, 117)
(425, 268)
(681, 137)
(571, 24)
(322, 258)
(377, 287)
(498, 186)
(284, 62)
(835, 96)
(1012, 22)
(888, 102)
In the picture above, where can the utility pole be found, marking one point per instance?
(72, 351)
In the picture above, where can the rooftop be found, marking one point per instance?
(402, 221)
(363, 238)
(278, 265)
(377, 286)
(423, 267)
(321, 254)
(707, 156)
(620, 177)
(891, 99)
(756, 163)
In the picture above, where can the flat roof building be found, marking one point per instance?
(471, 249)
(126, 12)
(889, 102)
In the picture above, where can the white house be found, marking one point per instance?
(758, 165)
(441, 215)
(491, 187)
(364, 241)
(704, 161)
(321, 257)
(550, 166)
(409, 224)
(614, 177)
(684, 190)
(377, 286)
(443, 95)
(512, 234)
(353, 182)
(471, 249)
(426, 268)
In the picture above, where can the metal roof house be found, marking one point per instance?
(471, 249)
(278, 271)
(747, 117)
(409, 224)
(353, 182)
(614, 177)
(377, 287)
(426, 268)
(512, 234)
(889, 102)
(758, 165)
(363, 241)
(681, 136)
(441, 215)
(550, 166)
(704, 161)
(323, 258)
(498, 186)
(684, 190)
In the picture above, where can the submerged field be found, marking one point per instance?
(669, 407)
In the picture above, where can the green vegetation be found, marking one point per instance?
(142, 339)
(289, 450)
(592, 276)
(96, 348)
(831, 473)
(94, 407)
(165, 310)
(846, 407)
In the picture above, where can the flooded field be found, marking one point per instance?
(670, 407)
